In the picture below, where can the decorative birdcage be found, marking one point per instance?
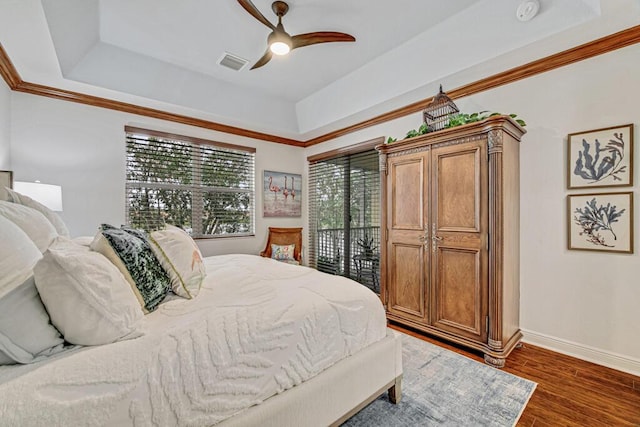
(436, 114)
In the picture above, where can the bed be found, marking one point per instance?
(264, 343)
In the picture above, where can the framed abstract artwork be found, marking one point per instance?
(601, 222)
(600, 158)
(281, 194)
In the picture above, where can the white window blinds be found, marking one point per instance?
(204, 187)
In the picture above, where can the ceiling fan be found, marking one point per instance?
(279, 41)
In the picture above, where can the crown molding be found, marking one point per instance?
(8, 71)
(597, 47)
(600, 46)
(15, 82)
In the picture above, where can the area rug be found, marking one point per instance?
(442, 388)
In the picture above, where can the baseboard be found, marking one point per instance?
(584, 352)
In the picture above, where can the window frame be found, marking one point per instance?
(196, 188)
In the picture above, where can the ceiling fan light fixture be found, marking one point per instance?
(280, 48)
(279, 43)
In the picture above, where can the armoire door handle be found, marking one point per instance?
(434, 242)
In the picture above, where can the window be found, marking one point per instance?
(205, 187)
(344, 213)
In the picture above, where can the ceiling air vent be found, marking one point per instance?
(232, 61)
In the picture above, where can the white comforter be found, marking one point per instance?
(257, 328)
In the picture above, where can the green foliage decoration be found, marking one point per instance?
(420, 131)
(457, 120)
(463, 119)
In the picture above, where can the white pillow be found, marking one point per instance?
(25, 332)
(18, 255)
(87, 298)
(53, 217)
(32, 222)
(181, 259)
(26, 335)
(83, 240)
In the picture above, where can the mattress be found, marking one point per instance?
(258, 328)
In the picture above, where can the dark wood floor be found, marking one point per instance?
(570, 392)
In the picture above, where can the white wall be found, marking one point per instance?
(576, 302)
(5, 126)
(82, 148)
(583, 303)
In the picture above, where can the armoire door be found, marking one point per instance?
(407, 218)
(459, 224)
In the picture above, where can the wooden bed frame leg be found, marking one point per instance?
(395, 392)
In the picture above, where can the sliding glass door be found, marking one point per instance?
(344, 216)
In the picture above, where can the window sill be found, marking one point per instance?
(225, 236)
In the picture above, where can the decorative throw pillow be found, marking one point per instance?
(53, 217)
(283, 252)
(32, 222)
(181, 259)
(88, 299)
(18, 256)
(137, 263)
(26, 335)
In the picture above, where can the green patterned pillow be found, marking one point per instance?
(129, 250)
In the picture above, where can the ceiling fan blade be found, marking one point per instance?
(253, 10)
(262, 61)
(307, 39)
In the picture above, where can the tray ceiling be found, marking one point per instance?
(164, 53)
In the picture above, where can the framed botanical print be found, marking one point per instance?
(600, 158)
(601, 222)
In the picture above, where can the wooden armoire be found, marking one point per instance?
(450, 234)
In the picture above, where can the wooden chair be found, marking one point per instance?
(284, 236)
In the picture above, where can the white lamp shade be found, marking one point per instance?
(47, 194)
